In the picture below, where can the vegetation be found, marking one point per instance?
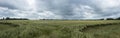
(59, 29)
(111, 18)
(8, 18)
(118, 18)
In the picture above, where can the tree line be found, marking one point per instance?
(8, 18)
(111, 18)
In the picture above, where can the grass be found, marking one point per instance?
(5, 27)
(59, 29)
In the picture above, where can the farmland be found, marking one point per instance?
(59, 28)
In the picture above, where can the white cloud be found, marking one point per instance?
(104, 4)
(28, 14)
(84, 11)
(49, 15)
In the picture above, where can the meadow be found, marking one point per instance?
(59, 28)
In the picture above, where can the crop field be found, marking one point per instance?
(59, 28)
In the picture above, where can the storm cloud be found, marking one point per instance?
(60, 9)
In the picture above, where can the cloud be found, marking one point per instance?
(84, 11)
(60, 9)
(104, 4)
(5, 12)
(106, 8)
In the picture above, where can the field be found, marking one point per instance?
(59, 29)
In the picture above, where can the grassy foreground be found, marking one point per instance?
(59, 29)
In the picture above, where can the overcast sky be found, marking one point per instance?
(60, 9)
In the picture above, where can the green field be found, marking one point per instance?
(59, 29)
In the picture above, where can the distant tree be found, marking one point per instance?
(109, 19)
(102, 19)
(7, 18)
(118, 18)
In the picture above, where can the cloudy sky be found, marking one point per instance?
(60, 9)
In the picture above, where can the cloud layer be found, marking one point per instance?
(60, 9)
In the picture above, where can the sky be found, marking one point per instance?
(60, 9)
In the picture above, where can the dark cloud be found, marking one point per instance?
(60, 7)
(8, 6)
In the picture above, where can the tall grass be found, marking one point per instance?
(53, 29)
